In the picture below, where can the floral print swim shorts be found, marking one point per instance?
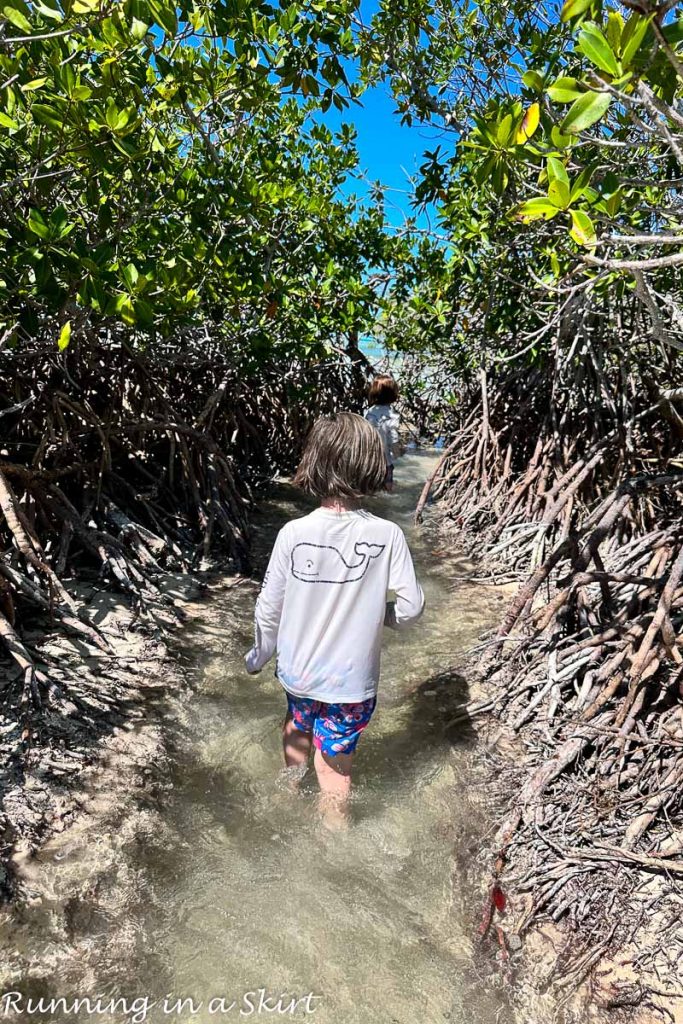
(336, 728)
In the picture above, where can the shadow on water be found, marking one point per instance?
(420, 732)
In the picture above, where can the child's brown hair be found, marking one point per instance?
(383, 390)
(343, 458)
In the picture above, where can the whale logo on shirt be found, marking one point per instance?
(322, 563)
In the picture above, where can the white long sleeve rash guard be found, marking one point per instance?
(323, 603)
(386, 422)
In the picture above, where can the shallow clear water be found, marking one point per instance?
(239, 888)
(376, 921)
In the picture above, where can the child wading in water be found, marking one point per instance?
(382, 394)
(324, 602)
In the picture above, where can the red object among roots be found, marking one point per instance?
(498, 898)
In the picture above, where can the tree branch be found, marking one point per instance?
(659, 328)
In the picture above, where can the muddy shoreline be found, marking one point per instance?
(93, 786)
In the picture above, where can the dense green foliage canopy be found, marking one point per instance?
(561, 163)
(165, 167)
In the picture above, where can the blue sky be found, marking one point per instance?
(389, 151)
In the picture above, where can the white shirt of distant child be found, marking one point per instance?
(386, 421)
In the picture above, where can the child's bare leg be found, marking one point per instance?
(334, 778)
(295, 744)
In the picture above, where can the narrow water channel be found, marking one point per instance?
(241, 889)
(376, 922)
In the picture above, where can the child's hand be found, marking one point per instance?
(390, 615)
(249, 661)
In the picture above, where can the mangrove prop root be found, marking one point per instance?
(585, 512)
(600, 711)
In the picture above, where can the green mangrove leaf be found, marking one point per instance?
(585, 111)
(564, 90)
(573, 8)
(593, 45)
(38, 224)
(632, 36)
(558, 194)
(64, 336)
(533, 80)
(557, 171)
(17, 19)
(537, 209)
(582, 231)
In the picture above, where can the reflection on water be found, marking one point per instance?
(240, 888)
